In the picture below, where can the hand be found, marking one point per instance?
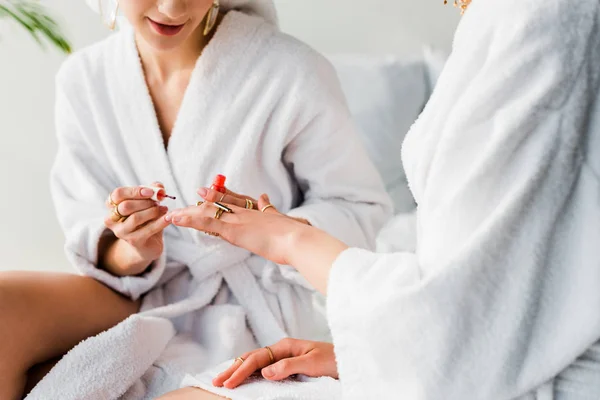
(269, 234)
(292, 357)
(236, 199)
(141, 230)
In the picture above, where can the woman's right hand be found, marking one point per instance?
(139, 236)
(290, 357)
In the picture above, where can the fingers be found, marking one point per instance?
(283, 369)
(254, 361)
(229, 197)
(284, 349)
(121, 194)
(264, 201)
(128, 207)
(126, 228)
(154, 227)
(202, 218)
(225, 375)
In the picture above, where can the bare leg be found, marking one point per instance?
(190, 394)
(44, 315)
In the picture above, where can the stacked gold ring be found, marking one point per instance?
(249, 204)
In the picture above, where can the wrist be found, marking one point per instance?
(122, 259)
(312, 252)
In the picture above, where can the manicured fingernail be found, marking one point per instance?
(203, 192)
(268, 372)
(147, 192)
(163, 209)
(168, 217)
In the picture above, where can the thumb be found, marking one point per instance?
(304, 365)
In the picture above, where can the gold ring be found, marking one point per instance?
(265, 208)
(240, 359)
(219, 213)
(222, 197)
(199, 203)
(249, 204)
(117, 216)
(110, 200)
(271, 356)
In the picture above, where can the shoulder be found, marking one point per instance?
(297, 66)
(564, 22)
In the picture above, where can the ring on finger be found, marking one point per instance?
(199, 203)
(117, 216)
(249, 204)
(265, 208)
(271, 356)
(240, 359)
(110, 201)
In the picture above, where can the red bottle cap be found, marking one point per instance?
(219, 181)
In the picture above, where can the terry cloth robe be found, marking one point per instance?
(262, 109)
(501, 298)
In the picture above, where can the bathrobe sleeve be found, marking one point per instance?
(502, 292)
(343, 193)
(81, 182)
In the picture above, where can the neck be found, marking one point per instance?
(161, 65)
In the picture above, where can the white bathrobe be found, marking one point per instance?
(262, 109)
(501, 298)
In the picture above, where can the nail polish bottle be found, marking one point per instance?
(219, 184)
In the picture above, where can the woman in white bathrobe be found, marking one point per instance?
(191, 89)
(501, 299)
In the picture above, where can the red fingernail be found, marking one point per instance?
(163, 209)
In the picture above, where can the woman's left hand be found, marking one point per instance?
(268, 234)
(290, 357)
(236, 199)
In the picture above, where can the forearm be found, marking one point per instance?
(119, 258)
(312, 253)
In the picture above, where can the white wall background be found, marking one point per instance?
(29, 234)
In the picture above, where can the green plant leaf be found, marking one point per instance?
(35, 19)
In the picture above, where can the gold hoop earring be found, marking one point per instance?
(111, 23)
(211, 17)
(461, 4)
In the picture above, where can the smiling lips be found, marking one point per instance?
(166, 30)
